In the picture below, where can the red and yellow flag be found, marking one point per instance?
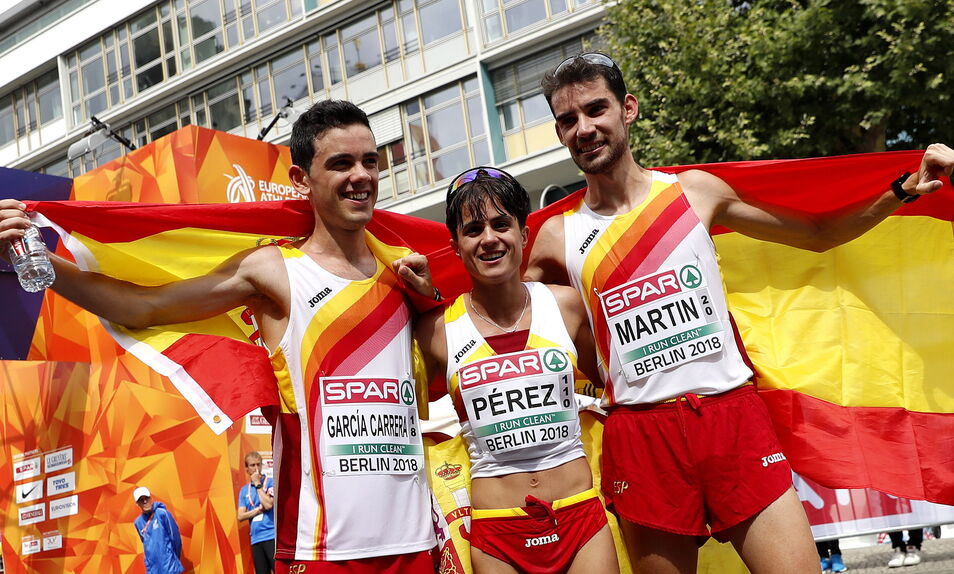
(852, 346)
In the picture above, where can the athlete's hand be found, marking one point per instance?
(938, 161)
(414, 270)
(13, 220)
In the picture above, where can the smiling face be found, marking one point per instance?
(342, 180)
(593, 124)
(491, 245)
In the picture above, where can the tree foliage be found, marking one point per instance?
(721, 80)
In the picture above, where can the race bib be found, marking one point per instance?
(519, 400)
(662, 321)
(369, 426)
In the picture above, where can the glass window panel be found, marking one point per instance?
(450, 164)
(148, 78)
(232, 35)
(535, 108)
(209, 47)
(93, 77)
(271, 16)
(481, 152)
(183, 23)
(265, 97)
(492, 29)
(420, 172)
(489, 5)
(291, 83)
(525, 14)
(412, 107)
(314, 62)
(475, 116)
(445, 127)
(557, 6)
(205, 16)
(90, 50)
(114, 94)
(509, 116)
(51, 105)
(391, 49)
(74, 87)
(440, 96)
(168, 42)
(362, 53)
(111, 71)
(397, 153)
(96, 104)
(171, 66)
(470, 85)
(6, 122)
(146, 48)
(439, 20)
(225, 114)
(334, 65)
(143, 22)
(409, 26)
(416, 130)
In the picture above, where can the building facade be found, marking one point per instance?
(448, 84)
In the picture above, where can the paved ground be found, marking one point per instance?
(937, 556)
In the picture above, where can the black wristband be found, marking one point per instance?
(257, 486)
(897, 186)
(437, 295)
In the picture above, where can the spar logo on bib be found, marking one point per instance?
(555, 360)
(496, 369)
(370, 390)
(644, 290)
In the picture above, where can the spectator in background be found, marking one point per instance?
(909, 555)
(255, 505)
(159, 533)
(830, 554)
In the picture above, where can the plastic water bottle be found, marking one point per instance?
(31, 262)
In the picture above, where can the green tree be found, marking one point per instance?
(721, 80)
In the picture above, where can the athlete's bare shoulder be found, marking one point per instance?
(429, 332)
(546, 261)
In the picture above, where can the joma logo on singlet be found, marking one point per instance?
(772, 458)
(318, 297)
(589, 239)
(641, 291)
(541, 540)
(498, 368)
(460, 354)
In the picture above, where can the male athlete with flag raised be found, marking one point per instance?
(351, 493)
(689, 450)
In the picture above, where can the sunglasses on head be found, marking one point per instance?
(591, 57)
(472, 174)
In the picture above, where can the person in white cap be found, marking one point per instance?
(159, 533)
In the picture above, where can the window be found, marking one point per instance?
(159, 43)
(525, 117)
(29, 108)
(502, 18)
(445, 130)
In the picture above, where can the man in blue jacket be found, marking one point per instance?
(159, 534)
(255, 505)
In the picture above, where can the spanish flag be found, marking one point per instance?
(853, 347)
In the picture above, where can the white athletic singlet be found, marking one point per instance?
(517, 411)
(654, 293)
(349, 464)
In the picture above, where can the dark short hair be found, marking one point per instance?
(505, 193)
(576, 70)
(320, 118)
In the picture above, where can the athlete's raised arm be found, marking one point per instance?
(718, 204)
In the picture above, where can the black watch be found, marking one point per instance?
(897, 186)
(257, 486)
